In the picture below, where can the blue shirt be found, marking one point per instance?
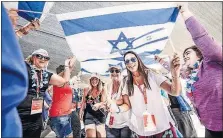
(48, 99)
(14, 79)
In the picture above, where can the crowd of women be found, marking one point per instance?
(132, 105)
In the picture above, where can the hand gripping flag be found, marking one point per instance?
(100, 37)
(30, 10)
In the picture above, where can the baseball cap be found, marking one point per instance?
(115, 66)
(96, 75)
(41, 52)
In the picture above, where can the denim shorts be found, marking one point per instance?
(61, 125)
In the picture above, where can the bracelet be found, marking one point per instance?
(66, 68)
(175, 77)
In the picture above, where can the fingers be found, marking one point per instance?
(176, 59)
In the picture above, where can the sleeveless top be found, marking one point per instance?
(89, 113)
(24, 107)
(62, 101)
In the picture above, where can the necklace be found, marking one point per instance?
(192, 78)
(36, 82)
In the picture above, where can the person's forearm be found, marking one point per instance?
(66, 75)
(82, 107)
(124, 108)
(210, 49)
(176, 86)
(119, 102)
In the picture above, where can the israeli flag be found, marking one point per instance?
(100, 37)
(30, 10)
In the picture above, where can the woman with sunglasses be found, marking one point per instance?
(30, 109)
(149, 114)
(91, 111)
(204, 82)
(116, 123)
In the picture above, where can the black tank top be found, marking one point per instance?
(89, 113)
(24, 107)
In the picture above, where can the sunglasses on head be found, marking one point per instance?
(114, 70)
(133, 59)
(42, 57)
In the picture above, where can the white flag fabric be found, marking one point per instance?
(100, 37)
(35, 6)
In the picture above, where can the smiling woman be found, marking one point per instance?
(30, 109)
(191, 55)
(204, 83)
(91, 108)
(141, 93)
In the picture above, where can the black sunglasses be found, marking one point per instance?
(114, 70)
(133, 59)
(42, 57)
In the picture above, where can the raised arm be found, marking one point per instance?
(60, 81)
(83, 104)
(175, 87)
(211, 50)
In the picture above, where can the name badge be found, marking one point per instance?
(111, 120)
(37, 105)
(149, 121)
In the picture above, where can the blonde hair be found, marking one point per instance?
(99, 86)
(29, 59)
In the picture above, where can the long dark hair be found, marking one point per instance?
(143, 70)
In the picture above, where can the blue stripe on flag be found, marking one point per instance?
(146, 53)
(160, 39)
(119, 20)
(30, 6)
(86, 71)
(157, 30)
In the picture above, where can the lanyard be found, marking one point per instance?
(143, 91)
(38, 85)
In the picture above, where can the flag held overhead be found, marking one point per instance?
(100, 37)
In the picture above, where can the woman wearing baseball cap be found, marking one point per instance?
(91, 110)
(30, 109)
(116, 123)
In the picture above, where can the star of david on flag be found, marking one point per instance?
(100, 37)
(121, 38)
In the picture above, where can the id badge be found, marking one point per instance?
(111, 120)
(37, 105)
(149, 121)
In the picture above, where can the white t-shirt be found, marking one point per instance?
(120, 119)
(155, 106)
